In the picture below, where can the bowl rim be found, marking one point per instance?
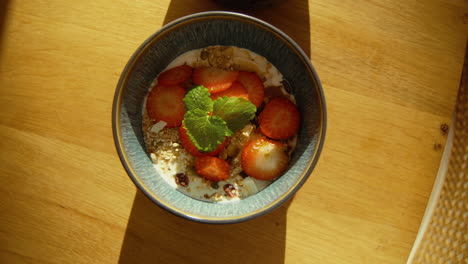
(118, 99)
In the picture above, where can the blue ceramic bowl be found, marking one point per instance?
(198, 31)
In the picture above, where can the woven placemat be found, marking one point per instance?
(443, 235)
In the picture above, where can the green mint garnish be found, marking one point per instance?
(208, 123)
(198, 98)
(237, 112)
(205, 131)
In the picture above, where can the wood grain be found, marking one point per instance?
(390, 71)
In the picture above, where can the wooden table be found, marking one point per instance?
(390, 71)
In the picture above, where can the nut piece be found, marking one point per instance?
(182, 179)
(214, 185)
(218, 56)
(230, 190)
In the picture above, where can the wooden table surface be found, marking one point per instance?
(390, 70)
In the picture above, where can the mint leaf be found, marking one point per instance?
(198, 98)
(237, 112)
(205, 131)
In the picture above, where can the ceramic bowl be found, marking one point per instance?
(198, 31)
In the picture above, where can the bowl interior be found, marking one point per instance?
(199, 31)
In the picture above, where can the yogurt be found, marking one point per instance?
(176, 165)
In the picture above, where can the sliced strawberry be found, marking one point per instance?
(176, 75)
(166, 103)
(236, 90)
(212, 168)
(264, 159)
(254, 86)
(192, 149)
(214, 79)
(279, 119)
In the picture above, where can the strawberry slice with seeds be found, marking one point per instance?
(212, 168)
(166, 103)
(264, 159)
(254, 86)
(176, 75)
(214, 79)
(192, 149)
(236, 90)
(280, 119)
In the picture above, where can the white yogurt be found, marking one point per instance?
(170, 158)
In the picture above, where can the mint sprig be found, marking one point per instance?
(198, 98)
(205, 131)
(237, 112)
(208, 122)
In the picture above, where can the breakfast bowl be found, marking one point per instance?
(204, 32)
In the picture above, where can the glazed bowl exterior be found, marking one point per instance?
(198, 31)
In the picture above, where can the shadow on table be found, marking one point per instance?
(290, 16)
(3, 18)
(155, 236)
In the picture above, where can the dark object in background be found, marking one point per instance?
(248, 4)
